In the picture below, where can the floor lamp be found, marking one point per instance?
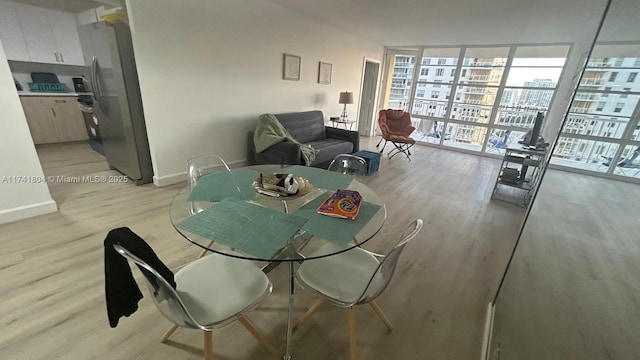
(345, 98)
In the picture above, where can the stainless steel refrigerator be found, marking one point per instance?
(117, 101)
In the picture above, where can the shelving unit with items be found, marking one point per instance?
(515, 172)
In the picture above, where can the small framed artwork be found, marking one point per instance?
(324, 73)
(291, 67)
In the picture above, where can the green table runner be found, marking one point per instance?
(336, 230)
(322, 178)
(243, 226)
(224, 184)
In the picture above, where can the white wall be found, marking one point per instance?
(21, 195)
(208, 69)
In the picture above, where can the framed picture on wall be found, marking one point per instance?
(291, 67)
(324, 73)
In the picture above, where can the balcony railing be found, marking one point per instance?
(476, 91)
(596, 63)
(580, 109)
(484, 63)
(478, 78)
(402, 76)
(403, 65)
(591, 81)
(588, 97)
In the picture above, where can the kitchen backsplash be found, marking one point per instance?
(22, 72)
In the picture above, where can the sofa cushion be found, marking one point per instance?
(329, 148)
(305, 126)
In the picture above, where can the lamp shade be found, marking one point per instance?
(346, 98)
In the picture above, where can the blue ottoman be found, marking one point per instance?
(372, 159)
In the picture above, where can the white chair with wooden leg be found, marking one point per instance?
(351, 278)
(198, 167)
(209, 292)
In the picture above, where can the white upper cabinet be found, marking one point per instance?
(65, 35)
(36, 27)
(31, 33)
(13, 41)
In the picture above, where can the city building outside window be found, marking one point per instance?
(607, 134)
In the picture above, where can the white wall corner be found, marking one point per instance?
(22, 196)
(27, 211)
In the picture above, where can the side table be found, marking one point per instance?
(337, 122)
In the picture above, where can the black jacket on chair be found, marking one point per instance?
(121, 290)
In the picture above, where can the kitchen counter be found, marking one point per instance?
(33, 93)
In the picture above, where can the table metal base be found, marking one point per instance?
(290, 251)
(292, 274)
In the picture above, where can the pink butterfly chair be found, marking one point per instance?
(396, 128)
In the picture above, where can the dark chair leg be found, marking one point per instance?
(385, 145)
(400, 148)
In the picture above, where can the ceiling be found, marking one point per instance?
(454, 22)
(429, 22)
(73, 6)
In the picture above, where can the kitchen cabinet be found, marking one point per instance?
(49, 36)
(13, 41)
(54, 119)
(36, 28)
(65, 35)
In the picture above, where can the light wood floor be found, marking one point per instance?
(52, 298)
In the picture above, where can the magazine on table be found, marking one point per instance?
(342, 203)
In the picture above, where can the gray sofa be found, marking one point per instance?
(308, 128)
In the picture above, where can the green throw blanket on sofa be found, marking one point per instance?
(270, 132)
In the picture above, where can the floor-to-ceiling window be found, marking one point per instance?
(481, 99)
(602, 133)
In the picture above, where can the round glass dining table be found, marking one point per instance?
(255, 226)
(224, 213)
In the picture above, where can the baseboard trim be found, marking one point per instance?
(27, 211)
(169, 179)
(488, 330)
(182, 176)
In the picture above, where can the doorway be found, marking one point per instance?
(368, 97)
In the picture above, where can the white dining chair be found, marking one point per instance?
(197, 167)
(351, 278)
(350, 165)
(202, 165)
(209, 292)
